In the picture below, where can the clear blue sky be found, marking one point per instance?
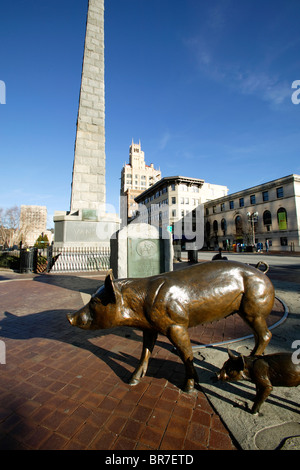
(205, 85)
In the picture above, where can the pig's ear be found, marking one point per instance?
(230, 354)
(242, 362)
(110, 274)
(239, 361)
(109, 286)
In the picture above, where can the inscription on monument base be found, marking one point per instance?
(79, 231)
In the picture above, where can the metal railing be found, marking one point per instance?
(72, 259)
(63, 260)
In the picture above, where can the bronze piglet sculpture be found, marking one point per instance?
(172, 302)
(265, 371)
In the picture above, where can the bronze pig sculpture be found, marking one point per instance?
(265, 371)
(172, 302)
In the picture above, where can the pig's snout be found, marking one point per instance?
(82, 318)
(221, 375)
(72, 318)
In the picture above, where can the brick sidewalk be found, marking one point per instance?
(64, 388)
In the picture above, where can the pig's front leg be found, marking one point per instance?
(149, 339)
(179, 336)
(263, 386)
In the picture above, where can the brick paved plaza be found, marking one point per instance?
(65, 388)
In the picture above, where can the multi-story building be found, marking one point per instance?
(173, 198)
(269, 212)
(136, 177)
(33, 222)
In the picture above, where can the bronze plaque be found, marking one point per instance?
(145, 257)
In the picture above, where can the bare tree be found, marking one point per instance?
(10, 226)
(2, 228)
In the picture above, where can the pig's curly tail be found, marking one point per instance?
(260, 263)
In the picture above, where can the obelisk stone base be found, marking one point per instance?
(82, 230)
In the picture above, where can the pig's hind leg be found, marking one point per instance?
(149, 339)
(261, 332)
(256, 306)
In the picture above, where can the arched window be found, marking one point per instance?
(238, 225)
(207, 229)
(223, 226)
(282, 218)
(215, 226)
(267, 218)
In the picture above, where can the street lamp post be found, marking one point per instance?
(252, 218)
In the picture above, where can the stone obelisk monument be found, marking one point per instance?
(88, 185)
(87, 222)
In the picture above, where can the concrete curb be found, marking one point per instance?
(277, 426)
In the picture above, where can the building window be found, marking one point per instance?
(172, 187)
(214, 209)
(173, 200)
(223, 226)
(282, 218)
(215, 226)
(265, 196)
(241, 201)
(239, 225)
(283, 241)
(252, 199)
(267, 218)
(222, 206)
(207, 229)
(231, 204)
(182, 200)
(194, 225)
(279, 192)
(174, 213)
(206, 211)
(187, 200)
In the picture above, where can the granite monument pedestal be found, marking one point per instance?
(140, 250)
(84, 228)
